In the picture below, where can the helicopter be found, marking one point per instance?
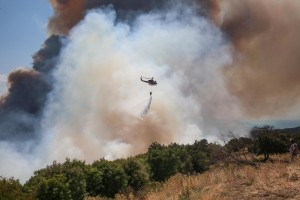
(150, 81)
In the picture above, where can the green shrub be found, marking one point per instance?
(113, 177)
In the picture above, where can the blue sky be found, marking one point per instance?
(23, 29)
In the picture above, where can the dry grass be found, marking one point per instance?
(274, 180)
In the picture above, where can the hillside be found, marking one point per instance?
(242, 168)
(276, 179)
(290, 131)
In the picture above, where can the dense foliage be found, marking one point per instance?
(165, 161)
(74, 179)
(11, 189)
(266, 140)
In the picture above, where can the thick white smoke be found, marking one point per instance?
(16, 164)
(96, 105)
(95, 108)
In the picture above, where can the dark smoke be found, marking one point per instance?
(69, 12)
(46, 58)
(21, 108)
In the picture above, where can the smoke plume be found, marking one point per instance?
(103, 119)
(216, 63)
(264, 73)
(67, 13)
(21, 107)
(21, 111)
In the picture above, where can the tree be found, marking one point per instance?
(237, 144)
(94, 185)
(113, 177)
(137, 173)
(77, 183)
(200, 155)
(267, 140)
(70, 177)
(54, 188)
(11, 189)
(163, 161)
(237, 149)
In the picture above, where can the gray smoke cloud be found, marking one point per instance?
(22, 106)
(83, 98)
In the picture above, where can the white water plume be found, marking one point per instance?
(147, 108)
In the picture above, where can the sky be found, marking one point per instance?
(23, 29)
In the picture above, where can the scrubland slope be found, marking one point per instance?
(275, 179)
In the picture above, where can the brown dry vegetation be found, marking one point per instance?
(274, 180)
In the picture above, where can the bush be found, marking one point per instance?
(137, 173)
(266, 140)
(94, 185)
(54, 188)
(163, 162)
(113, 177)
(11, 189)
(67, 178)
(200, 155)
